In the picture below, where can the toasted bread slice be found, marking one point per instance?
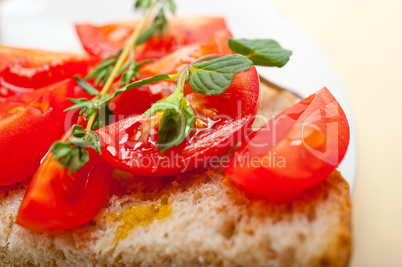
(198, 218)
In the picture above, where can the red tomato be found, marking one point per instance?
(122, 105)
(28, 126)
(57, 201)
(221, 122)
(101, 41)
(23, 70)
(296, 150)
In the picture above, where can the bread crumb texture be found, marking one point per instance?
(195, 219)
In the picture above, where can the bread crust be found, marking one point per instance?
(196, 219)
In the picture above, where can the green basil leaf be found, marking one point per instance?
(172, 103)
(214, 76)
(86, 86)
(264, 52)
(175, 127)
(177, 121)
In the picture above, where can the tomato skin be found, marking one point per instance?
(122, 106)
(227, 120)
(24, 70)
(57, 201)
(316, 125)
(25, 136)
(101, 41)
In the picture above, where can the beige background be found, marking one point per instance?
(363, 39)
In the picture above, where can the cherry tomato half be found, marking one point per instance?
(58, 201)
(29, 124)
(221, 122)
(101, 41)
(123, 105)
(296, 150)
(23, 70)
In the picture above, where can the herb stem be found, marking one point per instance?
(122, 58)
(91, 121)
(126, 50)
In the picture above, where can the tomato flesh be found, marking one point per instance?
(28, 126)
(101, 41)
(24, 70)
(122, 106)
(221, 122)
(58, 201)
(296, 150)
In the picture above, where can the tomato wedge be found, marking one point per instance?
(23, 70)
(101, 41)
(221, 122)
(296, 150)
(28, 126)
(58, 201)
(147, 95)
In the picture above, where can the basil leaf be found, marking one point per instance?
(184, 127)
(86, 86)
(177, 121)
(214, 76)
(172, 102)
(265, 52)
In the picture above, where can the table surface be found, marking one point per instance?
(363, 40)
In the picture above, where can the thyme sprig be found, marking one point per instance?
(72, 154)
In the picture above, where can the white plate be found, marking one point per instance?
(48, 24)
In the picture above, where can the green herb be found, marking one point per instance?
(158, 26)
(172, 6)
(86, 86)
(210, 75)
(262, 52)
(213, 77)
(142, 5)
(133, 71)
(102, 72)
(72, 154)
(178, 117)
(89, 107)
(136, 84)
